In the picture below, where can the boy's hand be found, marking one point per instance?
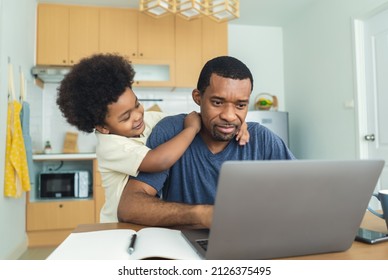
(193, 120)
(243, 135)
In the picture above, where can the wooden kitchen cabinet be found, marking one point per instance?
(66, 33)
(149, 43)
(50, 221)
(136, 35)
(156, 37)
(118, 31)
(55, 215)
(197, 41)
(188, 56)
(214, 39)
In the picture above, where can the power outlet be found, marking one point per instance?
(51, 167)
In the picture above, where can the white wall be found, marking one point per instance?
(320, 80)
(17, 41)
(261, 49)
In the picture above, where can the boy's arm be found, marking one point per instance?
(166, 154)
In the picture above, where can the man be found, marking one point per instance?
(188, 188)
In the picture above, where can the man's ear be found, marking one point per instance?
(196, 97)
(102, 129)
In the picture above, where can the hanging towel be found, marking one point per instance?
(25, 122)
(16, 170)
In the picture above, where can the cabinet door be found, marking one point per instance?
(118, 31)
(188, 52)
(53, 33)
(214, 39)
(83, 32)
(156, 37)
(59, 215)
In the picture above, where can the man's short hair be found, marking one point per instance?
(224, 66)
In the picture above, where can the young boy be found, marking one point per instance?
(97, 96)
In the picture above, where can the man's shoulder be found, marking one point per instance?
(171, 120)
(256, 127)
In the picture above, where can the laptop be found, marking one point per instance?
(278, 209)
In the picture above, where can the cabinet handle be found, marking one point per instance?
(141, 54)
(134, 54)
(64, 61)
(60, 205)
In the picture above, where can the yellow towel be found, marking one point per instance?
(16, 169)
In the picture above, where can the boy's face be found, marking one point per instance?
(124, 117)
(224, 106)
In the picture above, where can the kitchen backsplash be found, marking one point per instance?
(47, 123)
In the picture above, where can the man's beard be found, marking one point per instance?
(223, 137)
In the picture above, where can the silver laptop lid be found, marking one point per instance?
(272, 209)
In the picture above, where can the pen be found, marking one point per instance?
(131, 247)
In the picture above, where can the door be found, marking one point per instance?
(372, 82)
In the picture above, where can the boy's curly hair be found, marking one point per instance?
(92, 84)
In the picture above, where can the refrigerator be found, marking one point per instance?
(274, 120)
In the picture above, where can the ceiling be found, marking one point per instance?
(252, 12)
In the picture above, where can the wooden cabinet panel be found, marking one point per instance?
(66, 34)
(99, 199)
(156, 37)
(197, 41)
(52, 35)
(118, 31)
(59, 215)
(188, 55)
(214, 39)
(83, 32)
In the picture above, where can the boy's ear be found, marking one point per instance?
(196, 97)
(102, 129)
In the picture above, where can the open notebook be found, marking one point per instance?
(113, 245)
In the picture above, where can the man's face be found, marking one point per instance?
(224, 106)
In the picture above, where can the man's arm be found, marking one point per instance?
(139, 205)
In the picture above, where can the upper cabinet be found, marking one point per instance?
(196, 42)
(118, 31)
(156, 37)
(168, 51)
(214, 39)
(66, 34)
(136, 35)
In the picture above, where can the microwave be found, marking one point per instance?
(65, 184)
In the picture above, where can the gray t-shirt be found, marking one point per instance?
(193, 178)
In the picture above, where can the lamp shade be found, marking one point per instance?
(191, 9)
(218, 10)
(157, 8)
(223, 10)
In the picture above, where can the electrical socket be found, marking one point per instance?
(51, 167)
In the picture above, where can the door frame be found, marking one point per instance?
(358, 26)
